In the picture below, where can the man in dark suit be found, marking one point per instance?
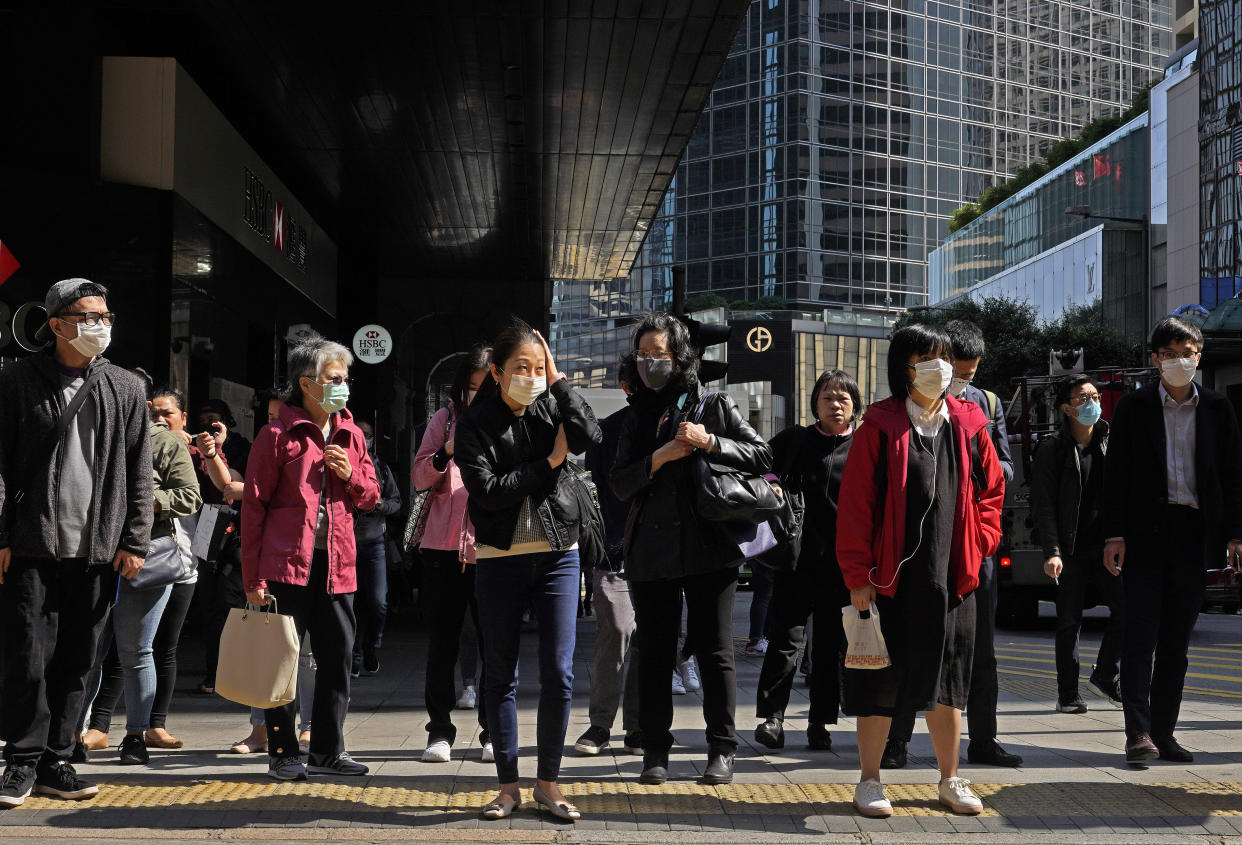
(1172, 505)
(968, 349)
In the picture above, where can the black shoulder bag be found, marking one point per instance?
(48, 448)
(787, 522)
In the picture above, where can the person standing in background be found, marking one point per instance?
(371, 536)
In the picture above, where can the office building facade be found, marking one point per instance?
(1220, 150)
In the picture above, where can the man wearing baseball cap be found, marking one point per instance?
(76, 506)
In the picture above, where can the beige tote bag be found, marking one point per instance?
(258, 658)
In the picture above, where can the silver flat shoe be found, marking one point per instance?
(560, 809)
(500, 810)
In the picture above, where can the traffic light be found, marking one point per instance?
(704, 336)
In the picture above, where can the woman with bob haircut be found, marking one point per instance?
(670, 549)
(919, 510)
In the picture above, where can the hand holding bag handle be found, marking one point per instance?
(420, 505)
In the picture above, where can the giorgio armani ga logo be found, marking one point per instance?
(759, 339)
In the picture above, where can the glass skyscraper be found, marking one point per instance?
(841, 134)
(1220, 150)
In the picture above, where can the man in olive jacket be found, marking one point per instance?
(75, 510)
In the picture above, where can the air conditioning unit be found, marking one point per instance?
(1062, 362)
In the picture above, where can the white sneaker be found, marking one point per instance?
(469, 699)
(956, 794)
(437, 752)
(679, 688)
(870, 800)
(690, 674)
(489, 753)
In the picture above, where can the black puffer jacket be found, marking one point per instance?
(1056, 488)
(503, 460)
(665, 537)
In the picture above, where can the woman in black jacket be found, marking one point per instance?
(670, 549)
(511, 446)
(810, 461)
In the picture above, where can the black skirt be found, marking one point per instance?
(930, 633)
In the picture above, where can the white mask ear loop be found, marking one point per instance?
(931, 501)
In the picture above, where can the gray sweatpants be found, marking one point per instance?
(615, 647)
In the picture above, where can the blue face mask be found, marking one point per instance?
(334, 396)
(1089, 414)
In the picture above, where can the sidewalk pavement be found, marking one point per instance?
(1074, 786)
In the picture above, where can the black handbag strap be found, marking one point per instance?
(62, 425)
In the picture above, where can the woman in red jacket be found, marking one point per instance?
(919, 510)
(307, 472)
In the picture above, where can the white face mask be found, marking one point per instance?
(932, 378)
(525, 389)
(958, 386)
(91, 340)
(1180, 371)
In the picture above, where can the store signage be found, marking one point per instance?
(16, 325)
(372, 344)
(273, 220)
(759, 339)
(8, 264)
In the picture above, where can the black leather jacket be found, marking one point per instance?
(502, 457)
(665, 537)
(1056, 489)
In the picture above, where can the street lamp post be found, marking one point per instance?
(1084, 212)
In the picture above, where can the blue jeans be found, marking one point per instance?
(135, 619)
(504, 587)
(371, 600)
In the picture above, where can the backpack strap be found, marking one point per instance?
(63, 421)
(993, 402)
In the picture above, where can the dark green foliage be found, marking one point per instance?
(964, 215)
(703, 301)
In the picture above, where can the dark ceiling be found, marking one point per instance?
(500, 140)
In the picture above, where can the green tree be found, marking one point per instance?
(966, 214)
(1085, 327)
(703, 301)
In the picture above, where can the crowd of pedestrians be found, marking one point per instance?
(117, 523)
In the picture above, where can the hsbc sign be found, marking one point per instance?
(372, 344)
(273, 220)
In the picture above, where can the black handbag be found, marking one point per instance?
(726, 494)
(166, 563)
(420, 505)
(592, 547)
(786, 523)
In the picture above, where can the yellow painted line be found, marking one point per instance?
(459, 800)
(1048, 658)
(1051, 676)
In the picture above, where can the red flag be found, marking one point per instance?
(1102, 166)
(8, 264)
(1080, 179)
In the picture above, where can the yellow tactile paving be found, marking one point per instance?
(622, 798)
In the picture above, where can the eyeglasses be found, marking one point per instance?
(654, 356)
(1170, 355)
(338, 380)
(90, 318)
(1083, 399)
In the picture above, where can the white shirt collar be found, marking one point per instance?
(1169, 402)
(927, 424)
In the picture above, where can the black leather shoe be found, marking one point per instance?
(818, 738)
(894, 755)
(719, 769)
(655, 769)
(991, 754)
(1170, 749)
(771, 734)
(1140, 747)
(134, 751)
(80, 753)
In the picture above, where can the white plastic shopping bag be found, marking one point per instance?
(866, 641)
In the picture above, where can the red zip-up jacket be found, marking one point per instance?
(284, 476)
(871, 533)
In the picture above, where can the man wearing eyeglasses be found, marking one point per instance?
(1172, 505)
(75, 513)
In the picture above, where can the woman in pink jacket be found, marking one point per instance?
(306, 473)
(448, 558)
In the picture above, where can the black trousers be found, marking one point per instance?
(709, 626)
(330, 620)
(448, 593)
(1079, 572)
(811, 589)
(112, 681)
(219, 590)
(984, 687)
(1163, 584)
(52, 614)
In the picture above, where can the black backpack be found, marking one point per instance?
(592, 547)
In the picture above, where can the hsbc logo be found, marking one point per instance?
(273, 221)
(372, 334)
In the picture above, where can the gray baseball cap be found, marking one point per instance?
(63, 294)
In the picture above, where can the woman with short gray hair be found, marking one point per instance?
(308, 470)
